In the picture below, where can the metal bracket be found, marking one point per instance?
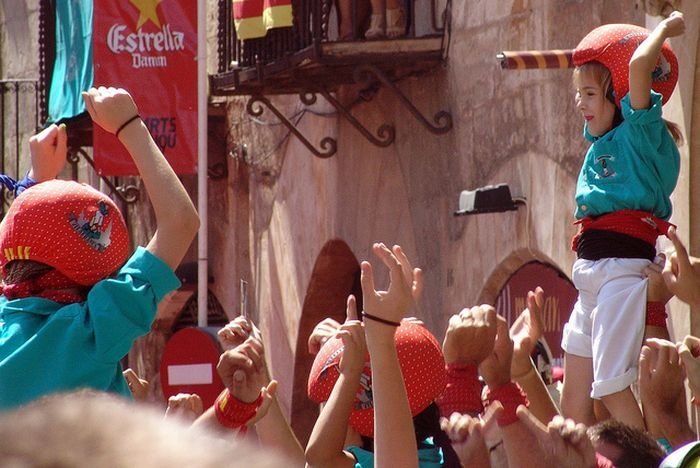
(128, 194)
(328, 145)
(386, 134)
(365, 74)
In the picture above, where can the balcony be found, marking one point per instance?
(306, 59)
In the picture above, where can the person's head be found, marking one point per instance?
(594, 98)
(88, 428)
(58, 235)
(602, 63)
(625, 446)
(422, 366)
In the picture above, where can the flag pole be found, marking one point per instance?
(202, 254)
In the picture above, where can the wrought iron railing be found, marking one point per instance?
(20, 116)
(310, 28)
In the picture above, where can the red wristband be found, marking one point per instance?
(232, 412)
(463, 391)
(656, 314)
(511, 396)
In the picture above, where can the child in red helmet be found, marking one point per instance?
(623, 75)
(73, 300)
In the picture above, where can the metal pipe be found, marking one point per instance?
(202, 247)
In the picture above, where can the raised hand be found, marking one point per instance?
(109, 108)
(187, 406)
(352, 334)
(657, 291)
(495, 369)
(466, 434)
(414, 276)
(321, 333)
(682, 272)
(470, 335)
(674, 25)
(689, 351)
(393, 304)
(661, 375)
(525, 332)
(236, 332)
(562, 442)
(243, 370)
(138, 386)
(48, 150)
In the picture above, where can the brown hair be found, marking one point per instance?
(603, 77)
(22, 270)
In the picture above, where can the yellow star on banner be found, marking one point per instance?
(147, 11)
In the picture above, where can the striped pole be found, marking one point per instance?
(527, 59)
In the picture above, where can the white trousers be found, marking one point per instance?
(607, 322)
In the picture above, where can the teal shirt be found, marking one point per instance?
(429, 455)
(634, 166)
(48, 347)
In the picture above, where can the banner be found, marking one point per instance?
(72, 68)
(149, 47)
(253, 18)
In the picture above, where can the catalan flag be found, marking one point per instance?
(253, 18)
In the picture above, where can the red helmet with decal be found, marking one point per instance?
(613, 46)
(422, 365)
(71, 227)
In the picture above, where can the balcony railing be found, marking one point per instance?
(20, 115)
(306, 58)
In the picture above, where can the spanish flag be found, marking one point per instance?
(253, 18)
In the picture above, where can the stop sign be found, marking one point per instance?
(189, 363)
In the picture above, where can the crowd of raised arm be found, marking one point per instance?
(389, 393)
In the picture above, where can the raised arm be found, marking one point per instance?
(682, 272)
(646, 56)
(176, 218)
(48, 150)
(394, 434)
(525, 332)
(327, 440)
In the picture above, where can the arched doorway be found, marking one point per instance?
(560, 296)
(336, 274)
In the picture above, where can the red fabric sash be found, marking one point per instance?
(639, 224)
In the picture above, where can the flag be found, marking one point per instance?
(149, 47)
(72, 69)
(253, 18)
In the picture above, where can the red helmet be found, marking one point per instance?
(613, 46)
(422, 365)
(71, 227)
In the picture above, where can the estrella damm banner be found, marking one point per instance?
(149, 48)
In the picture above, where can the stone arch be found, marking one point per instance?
(504, 270)
(336, 274)
(523, 271)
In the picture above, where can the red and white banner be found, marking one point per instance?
(149, 47)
